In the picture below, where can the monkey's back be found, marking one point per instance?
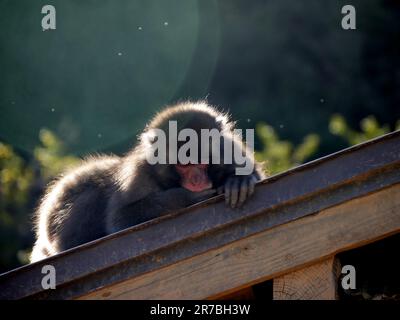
(72, 211)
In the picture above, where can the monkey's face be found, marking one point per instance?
(194, 177)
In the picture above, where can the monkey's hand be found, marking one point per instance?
(238, 189)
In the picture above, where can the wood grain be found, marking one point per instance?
(269, 254)
(316, 282)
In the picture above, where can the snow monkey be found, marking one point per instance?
(106, 194)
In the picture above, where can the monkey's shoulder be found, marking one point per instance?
(95, 172)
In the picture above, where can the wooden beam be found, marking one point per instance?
(316, 282)
(269, 254)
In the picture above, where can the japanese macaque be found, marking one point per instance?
(107, 194)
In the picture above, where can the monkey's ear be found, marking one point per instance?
(223, 120)
(150, 136)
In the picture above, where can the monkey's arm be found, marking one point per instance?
(153, 206)
(234, 182)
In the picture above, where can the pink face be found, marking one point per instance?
(194, 177)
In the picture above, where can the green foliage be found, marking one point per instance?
(51, 155)
(20, 182)
(16, 179)
(282, 155)
(370, 128)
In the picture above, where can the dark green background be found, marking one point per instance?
(288, 63)
(100, 75)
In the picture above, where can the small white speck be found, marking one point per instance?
(99, 135)
(12, 102)
(166, 23)
(52, 109)
(248, 120)
(322, 100)
(281, 126)
(120, 53)
(140, 28)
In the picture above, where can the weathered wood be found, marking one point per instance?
(269, 254)
(316, 282)
(283, 198)
(242, 294)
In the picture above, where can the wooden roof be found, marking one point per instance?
(296, 218)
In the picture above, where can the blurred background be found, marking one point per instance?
(285, 68)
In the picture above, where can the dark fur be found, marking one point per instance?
(107, 194)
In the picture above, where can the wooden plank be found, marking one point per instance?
(278, 200)
(269, 254)
(316, 282)
(216, 237)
